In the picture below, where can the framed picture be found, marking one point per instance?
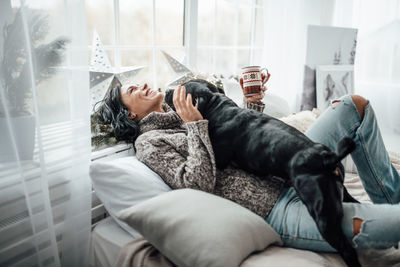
(325, 46)
(333, 81)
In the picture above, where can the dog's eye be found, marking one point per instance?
(336, 171)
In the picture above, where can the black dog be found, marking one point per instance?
(265, 146)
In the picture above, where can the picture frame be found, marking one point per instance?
(332, 82)
(326, 45)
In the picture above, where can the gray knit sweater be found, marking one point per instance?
(181, 153)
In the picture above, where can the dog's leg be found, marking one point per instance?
(322, 196)
(347, 197)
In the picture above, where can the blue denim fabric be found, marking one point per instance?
(380, 228)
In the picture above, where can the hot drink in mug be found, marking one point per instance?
(252, 79)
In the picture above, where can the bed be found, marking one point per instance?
(127, 173)
(125, 182)
(108, 238)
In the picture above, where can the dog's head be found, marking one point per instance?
(201, 92)
(318, 167)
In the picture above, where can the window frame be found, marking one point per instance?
(251, 47)
(190, 33)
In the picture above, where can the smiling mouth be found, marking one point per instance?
(149, 92)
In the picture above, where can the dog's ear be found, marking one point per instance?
(345, 146)
(330, 159)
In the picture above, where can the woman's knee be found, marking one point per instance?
(357, 222)
(360, 103)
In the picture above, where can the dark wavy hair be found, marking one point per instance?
(112, 111)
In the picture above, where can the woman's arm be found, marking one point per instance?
(181, 167)
(258, 106)
(195, 168)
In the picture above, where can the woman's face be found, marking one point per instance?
(141, 100)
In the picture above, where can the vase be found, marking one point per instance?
(23, 141)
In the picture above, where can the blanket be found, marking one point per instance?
(140, 252)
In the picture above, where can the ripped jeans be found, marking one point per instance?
(380, 228)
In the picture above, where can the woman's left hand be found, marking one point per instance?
(257, 97)
(184, 105)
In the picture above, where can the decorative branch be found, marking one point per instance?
(102, 134)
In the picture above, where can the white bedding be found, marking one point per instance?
(108, 238)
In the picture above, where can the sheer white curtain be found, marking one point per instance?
(285, 32)
(45, 191)
(377, 66)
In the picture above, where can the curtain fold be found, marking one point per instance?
(45, 190)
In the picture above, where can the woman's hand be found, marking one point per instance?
(184, 105)
(258, 97)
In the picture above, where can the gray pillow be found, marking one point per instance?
(195, 228)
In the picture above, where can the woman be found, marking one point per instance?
(176, 145)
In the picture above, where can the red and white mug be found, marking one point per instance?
(252, 79)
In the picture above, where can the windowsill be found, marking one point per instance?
(111, 151)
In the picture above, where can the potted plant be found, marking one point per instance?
(22, 64)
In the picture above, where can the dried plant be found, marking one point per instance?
(102, 134)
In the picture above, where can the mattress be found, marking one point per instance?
(107, 239)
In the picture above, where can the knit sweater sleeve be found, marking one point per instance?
(255, 106)
(195, 169)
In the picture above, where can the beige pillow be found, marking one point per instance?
(194, 228)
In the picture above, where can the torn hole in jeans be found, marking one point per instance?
(335, 102)
(366, 238)
(357, 224)
(358, 230)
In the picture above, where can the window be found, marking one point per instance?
(134, 32)
(225, 34)
(230, 35)
(210, 36)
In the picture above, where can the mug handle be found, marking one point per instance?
(265, 71)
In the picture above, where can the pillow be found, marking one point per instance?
(233, 91)
(195, 228)
(124, 182)
(275, 106)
